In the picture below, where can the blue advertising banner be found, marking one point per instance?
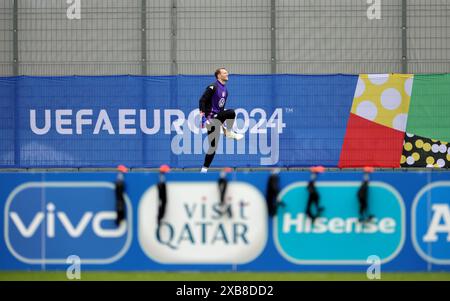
(146, 121)
(48, 217)
(430, 233)
(339, 229)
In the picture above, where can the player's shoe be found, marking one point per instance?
(232, 135)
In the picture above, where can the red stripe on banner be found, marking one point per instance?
(368, 143)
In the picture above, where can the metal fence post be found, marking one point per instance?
(404, 37)
(173, 38)
(15, 39)
(144, 37)
(173, 70)
(273, 42)
(16, 73)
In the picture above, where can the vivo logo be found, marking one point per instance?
(45, 222)
(73, 230)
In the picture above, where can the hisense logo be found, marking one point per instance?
(338, 237)
(336, 225)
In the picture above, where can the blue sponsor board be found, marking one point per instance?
(49, 216)
(103, 121)
(430, 216)
(45, 222)
(338, 228)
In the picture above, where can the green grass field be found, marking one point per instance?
(220, 276)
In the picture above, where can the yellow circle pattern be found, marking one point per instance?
(422, 151)
(408, 146)
(427, 147)
(372, 93)
(419, 143)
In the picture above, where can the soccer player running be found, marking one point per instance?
(214, 116)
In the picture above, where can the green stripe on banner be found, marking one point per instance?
(430, 107)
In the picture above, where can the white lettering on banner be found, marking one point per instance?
(103, 123)
(50, 226)
(176, 125)
(123, 122)
(262, 138)
(107, 233)
(31, 229)
(440, 211)
(60, 122)
(71, 229)
(156, 123)
(74, 270)
(47, 123)
(127, 117)
(80, 121)
(374, 270)
(336, 225)
(75, 231)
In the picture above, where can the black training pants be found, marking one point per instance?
(227, 117)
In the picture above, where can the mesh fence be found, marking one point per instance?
(6, 37)
(106, 40)
(429, 36)
(337, 37)
(162, 37)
